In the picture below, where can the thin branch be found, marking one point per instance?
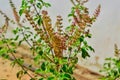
(15, 13)
(73, 2)
(17, 18)
(17, 60)
(44, 30)
(27, 40)
(6, 17)
(27, 66)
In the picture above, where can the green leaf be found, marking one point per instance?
(24, 3)
(108, 59)
(41, 1)
(39, 40)
(51, 78)
(39, 21)
(70, 69)
(38, 70)
(84, 52)
(23, 7)
(47, 5)
(81, 39)
(21, 61)
(41, 79)
(43, 66)
(12, 50)
(6, 56)
(70, 15)
(62, 61)
(52, 70)
(12, 44)
(40, 53)
(21, 11)
(37, 58)
(15, 31)
(75, 60)
(39, 5)
(32, 79)
(3, 51)
(89, 35)
(16, 38)
(91, 48)
(68, 28)
(20, 42)
(68, 76)
(64, 68)
(1, 42)
(85, 43)
(26, 27)
(31, 1)
(81, 7)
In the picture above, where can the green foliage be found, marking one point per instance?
(111, 69)
(46, 44)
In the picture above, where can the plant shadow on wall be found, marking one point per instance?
(54, 49)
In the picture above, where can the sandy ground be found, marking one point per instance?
(7, 72)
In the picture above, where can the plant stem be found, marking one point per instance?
(26, 40)
(73, 2)
(17, 60)
(44, 30)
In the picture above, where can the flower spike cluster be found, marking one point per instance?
(57, 40)
(16, 16)
(54, 49)
(59, 25)
(97, 11)
(81, 20)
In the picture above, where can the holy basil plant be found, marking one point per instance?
(54, 47)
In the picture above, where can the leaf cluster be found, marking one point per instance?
(54, 52)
